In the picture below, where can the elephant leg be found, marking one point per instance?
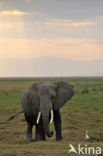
(29, 131)
(57, 124)
(39, 133)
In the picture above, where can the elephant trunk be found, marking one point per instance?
(45, 121)
(46, 112)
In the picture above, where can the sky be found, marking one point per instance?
(71, 29)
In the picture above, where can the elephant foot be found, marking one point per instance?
(30, 139)
(59, 138)
(43, 138)
(39, 138)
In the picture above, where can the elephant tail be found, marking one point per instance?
(13, 116)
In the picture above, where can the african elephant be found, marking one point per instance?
(41, 105)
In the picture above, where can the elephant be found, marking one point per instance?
(41, 105)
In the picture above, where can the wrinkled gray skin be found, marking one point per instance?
(44, 97)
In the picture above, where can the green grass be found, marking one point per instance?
(83, 112)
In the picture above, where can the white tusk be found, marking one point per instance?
(38, 118)
(51, 120)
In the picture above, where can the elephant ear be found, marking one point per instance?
(64, 92)
(30, 100)
(34, 98)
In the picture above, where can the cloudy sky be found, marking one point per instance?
(71, 29)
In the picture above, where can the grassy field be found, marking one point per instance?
(83, 112)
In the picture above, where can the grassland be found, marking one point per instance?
(83, 112)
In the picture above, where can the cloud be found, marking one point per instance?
(39, 27)
(5, 25)
(13, 12)
(28, 0)
(53, 22)
(9, 25)
(1, 3)
(75, 49)
(50, 23)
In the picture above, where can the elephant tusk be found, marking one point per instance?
(51, 120)
(38, 118)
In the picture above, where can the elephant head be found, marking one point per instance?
(47, 97)
(46, 94)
